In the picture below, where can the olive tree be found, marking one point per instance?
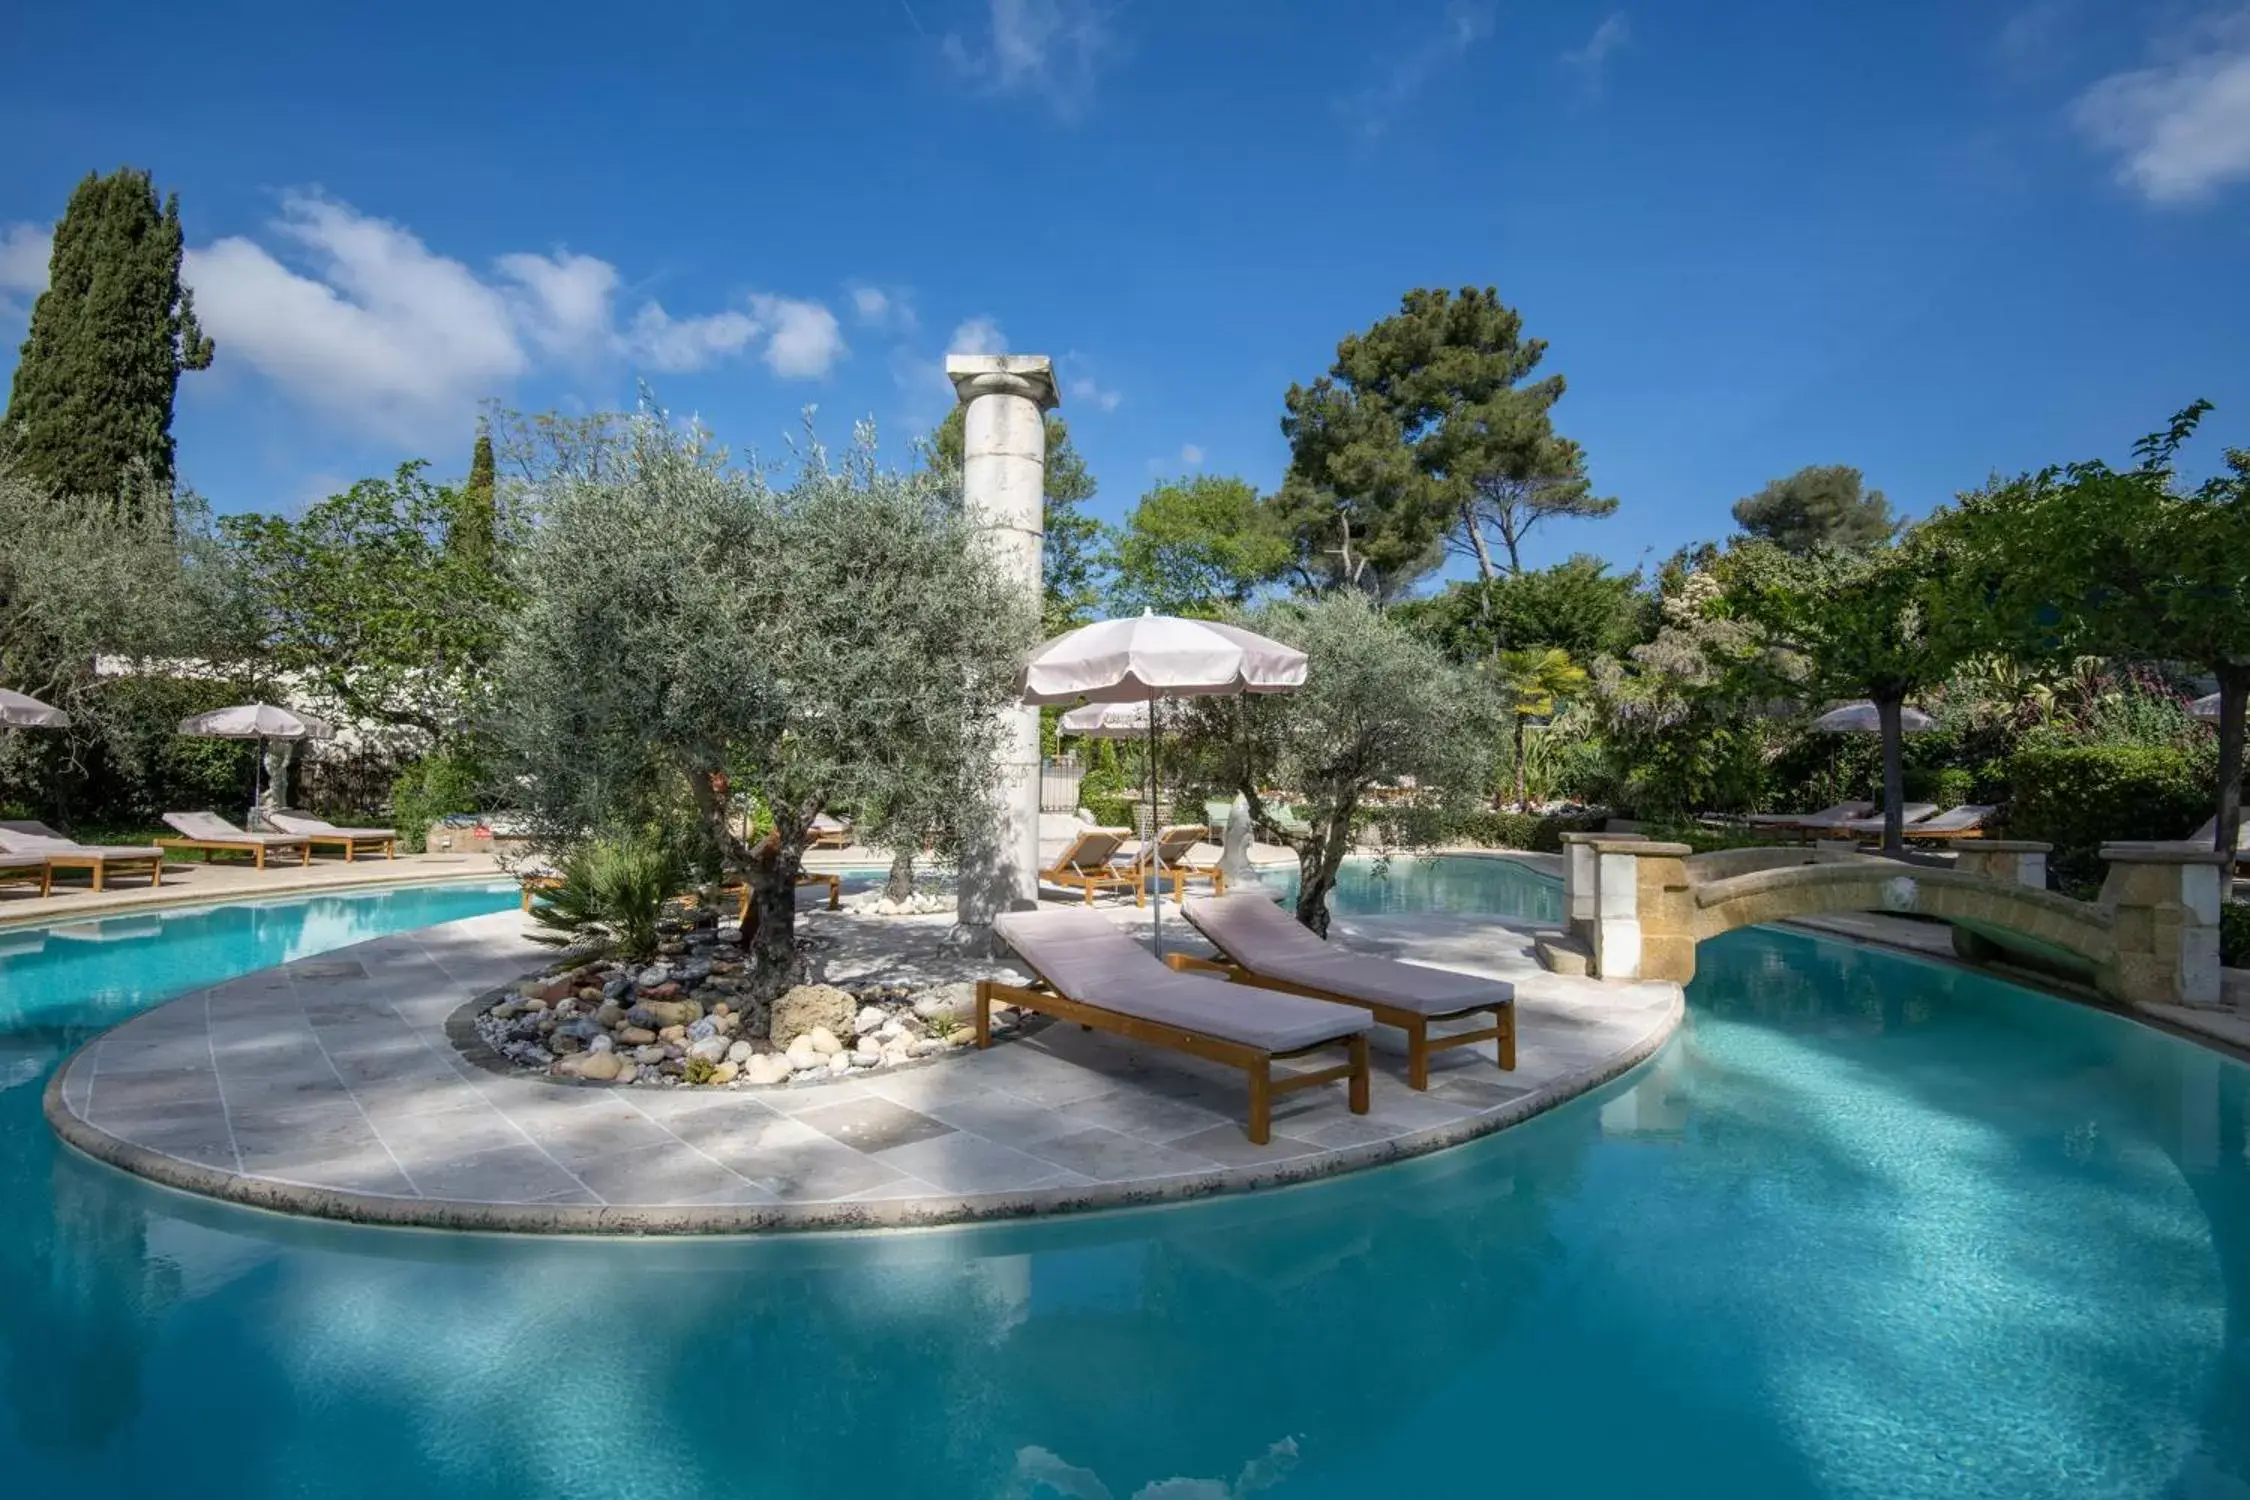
(838, 642)
(1379, 705)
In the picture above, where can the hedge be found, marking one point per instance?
(2080, 797)
(1539, 832)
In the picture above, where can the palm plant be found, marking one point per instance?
(612, 890)
(1533, 682)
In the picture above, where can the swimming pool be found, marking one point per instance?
(1869, 1226)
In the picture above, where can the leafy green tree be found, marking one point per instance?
(473, 534)
(1533, 682)
(1378, 705)
(1197, 546)
(690, 630)
(2088, 560)
(370, 611)
(1578, 606)
(1878, 624)
(90, 409)
(1071, 561)
(1816, 507)
(1427, 425)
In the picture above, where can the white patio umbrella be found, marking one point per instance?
(21, 711)
(1862, 718)
(2206, 708)
(260, 722)
(1107, 721)
(1129, 664)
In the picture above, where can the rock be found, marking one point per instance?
(824, 1041)
(658, 1014)
(589, 995)
(811, 1006)
(553, 990)
(533, 1002)
(530, 1054)
(897, 1052)
(672, 946)
(600, 1067)
(668, 990)
(928, 1046)
(653, 975)
(564, 1042)
(609, 1015)
(711, 1048)
(890, 1030)
(648, 1057)
(698, 1030)
(840, 1063)
(600, 1041)
(957, 1000)
(725, 1072)
(626, 1072)
(765, 1068)
(506, 1010)
(672, 1034)
(616, 987)
(741, 1052)
(728, 1024)
(722, 1009)
(961, 1036)
(695, 971)
(871, 1018)
(643, 1017)
(801, 1054)
(868, 1053)
(635, 1036)
(579, 1028)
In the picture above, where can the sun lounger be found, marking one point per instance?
(1095, 975)
(1910, 814)
(101, 862)
(741, 888)
(1964, 822)
(322, 834)
(2209, 833)
(1827, 817)
(1087, 864)
(1266, 947)
(210, 835)
(27, 869)
(830, 833)
(1165, 858)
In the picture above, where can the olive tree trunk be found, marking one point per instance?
(900, 885)
(2234, 692)
(1889, 715)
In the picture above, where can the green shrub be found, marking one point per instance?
(1947, 786)
(434, 787)
(613, 890)
(2234, 934)
(2079, 797)
(1539, 832)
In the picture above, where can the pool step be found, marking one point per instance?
(1563, 954)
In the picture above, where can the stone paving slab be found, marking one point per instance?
(329, 1087)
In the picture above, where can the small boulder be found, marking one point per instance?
(698, 1030)
(598, 1067)
(956, 1000)
(600, 1041)
(635, 1036)
(868, 1053)
(802, 1056)
(653, 975)
(765, 1068)
(626, 1072)
(870, 1018)
(711, 1049)
(929, 1046)
(840, 1063)
(811, 1006)
(648, 1057)
(740, 1052)
(824, 1041)
(609, 1015)
(672, 1034)
(725, 1072)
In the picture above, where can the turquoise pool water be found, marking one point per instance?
(1869, 1227)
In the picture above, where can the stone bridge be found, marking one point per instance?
(1638, 908)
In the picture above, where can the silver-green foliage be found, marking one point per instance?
(1379, 705)
(837, 642)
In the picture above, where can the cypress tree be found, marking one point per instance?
(90, 409)
(476, 518)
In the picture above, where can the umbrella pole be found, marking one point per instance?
(1153, 875)
(257, 783)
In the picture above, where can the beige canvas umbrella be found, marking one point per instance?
(22, 711)
(2206, 708)
(1863, 718)
(260, 722)
(1132, 664)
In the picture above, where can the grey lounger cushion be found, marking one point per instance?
(28, 837)
(1266, 940)
(1088, 960)
(210, 828)
(300, 823)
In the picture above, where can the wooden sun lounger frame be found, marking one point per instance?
(1419, 1043)
(1257, 1062)
(385, 844)
(255, 848)
(1107, 878)
(41, 875)
(99, 866)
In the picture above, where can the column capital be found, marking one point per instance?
(1031, 376)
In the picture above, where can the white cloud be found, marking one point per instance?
(1051, 48)
(1100, 397)
(2180, 127)
(2032, 36)
(871, 303)
(1373, 107)
(366, 323)
(977, 336)
(1191, 455)
(1588, 61)
(24, 250)
(806, 339)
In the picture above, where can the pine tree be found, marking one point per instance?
(90, 410)
(472, 533)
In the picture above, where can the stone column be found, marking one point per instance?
(2164, 902)
(2009, 861)
(1643, 922)
(1579, 869)
(1003, 486)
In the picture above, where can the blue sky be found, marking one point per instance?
(1931, 239)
